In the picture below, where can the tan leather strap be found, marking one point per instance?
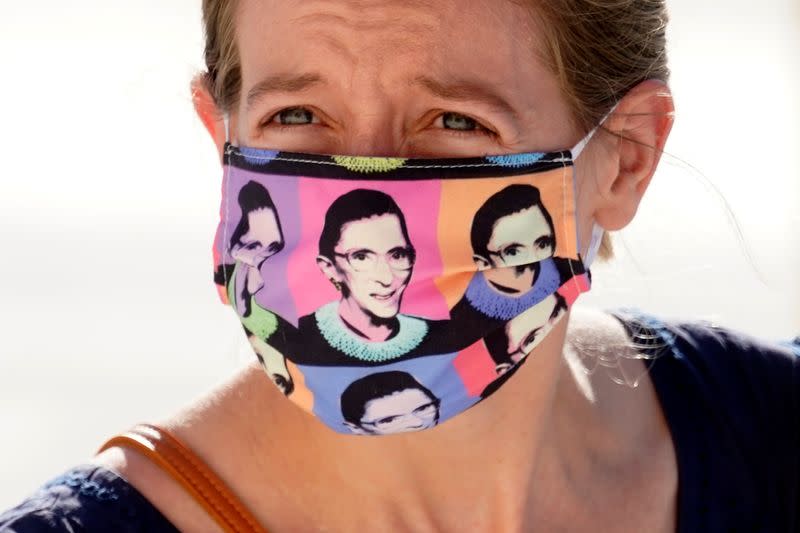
(175, 458)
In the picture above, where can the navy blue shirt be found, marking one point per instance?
(731, 402)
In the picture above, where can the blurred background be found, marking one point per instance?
(109, 195)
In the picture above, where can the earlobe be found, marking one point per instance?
(641, 125)
(327, 268)
(208, 112)
(481, 263)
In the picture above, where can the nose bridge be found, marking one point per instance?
(372, 134)
(373, 124)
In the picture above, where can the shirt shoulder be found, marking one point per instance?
(741, 373)
(87, 499)
(731, 401)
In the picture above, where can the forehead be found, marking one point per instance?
(529, 222)
(401, 402)
(374, 232)
(535, 317)
(388, 44)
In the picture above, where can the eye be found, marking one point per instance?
(294, 116)
(512, 250)
(530, 338)
(425, 409)
(544, 243)
(398, 253)
(456, 123)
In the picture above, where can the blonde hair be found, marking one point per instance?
(598, 50)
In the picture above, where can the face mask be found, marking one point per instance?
(386, 295)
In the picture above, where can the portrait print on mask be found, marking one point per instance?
(389, 402)
(513, 240)
(352, 272)
(520, 335)
(367, 255)
(332, 383)
(256, 237)
(273, 363)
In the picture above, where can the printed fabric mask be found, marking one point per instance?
(387, 295)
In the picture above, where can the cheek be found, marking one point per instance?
(357, 281)
(402, 278)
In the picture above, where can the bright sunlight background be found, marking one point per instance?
(109, 196)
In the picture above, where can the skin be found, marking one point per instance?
(374, 295)
(410, 408)
(512, 236)
(553, 449)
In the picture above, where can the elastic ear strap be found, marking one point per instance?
(578, 148)
(594, 245)
(226, 119)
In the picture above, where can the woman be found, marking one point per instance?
(367, 255)
(553, 449)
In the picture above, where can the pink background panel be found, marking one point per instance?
(476, 368)
(574, 287)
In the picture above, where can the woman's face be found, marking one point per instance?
(440, 78)
(396, 78)
(374, 262)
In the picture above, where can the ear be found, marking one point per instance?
(328, 269)
(481, 262)
(640, 125)
(208, 112)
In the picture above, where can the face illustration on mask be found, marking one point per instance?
(273, 363)
(257, 237)
(368, 257)
(389, 402)
(511, 233)
(525, 332)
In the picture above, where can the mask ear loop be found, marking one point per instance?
(597, 232)
(226, 120)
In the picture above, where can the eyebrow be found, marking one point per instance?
(464, 91)
(285, 83)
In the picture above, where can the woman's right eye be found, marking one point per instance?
(294, 116)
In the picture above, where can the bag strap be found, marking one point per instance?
(191, 472)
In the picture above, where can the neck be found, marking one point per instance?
(494, 450)
(365, 324)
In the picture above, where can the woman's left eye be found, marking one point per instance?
(458, 123)
(294, 116)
